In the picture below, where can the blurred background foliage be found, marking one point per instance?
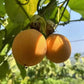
(46, 72)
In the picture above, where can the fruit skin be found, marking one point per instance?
(58, 48)
(29, 47)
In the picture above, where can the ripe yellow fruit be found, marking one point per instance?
(29, 47)
(58, 48)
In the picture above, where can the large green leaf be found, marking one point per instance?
(20, 10)
(77, 5)
(2, 8)
(14, 11)
(4, 70)
(31, 7)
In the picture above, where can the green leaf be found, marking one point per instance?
(19, 10)
(38, 82)
(82, 58)
(1, 59)
(22, 70)
(2, 38)
(13, 66)
(47, 11)
(14, 11)
(50, 81)
(52, 65)
(46, 1)
(55, 13)
(43, 2)
(4, 70)
(67, 62)
(31, 7)
(2, 8)
(12, 29)
(77, 6)
(66, 15)
(5, 50)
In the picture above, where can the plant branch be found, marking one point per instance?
(64, 23)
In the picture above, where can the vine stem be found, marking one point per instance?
(64, 23)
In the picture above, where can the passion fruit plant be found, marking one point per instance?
(44, 16)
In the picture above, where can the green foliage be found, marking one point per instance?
(4, 69)
(78, 6)
(2, 8)
(20, 12)
(46, 1)
(53, 81)
(1, 59)
(14, 11)
(43, 2)
(2, 37)
(66, 15)
(45, 72)
(31, 7)
(55, 13)
(77, 56)
(22, 70)
(45, 11)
